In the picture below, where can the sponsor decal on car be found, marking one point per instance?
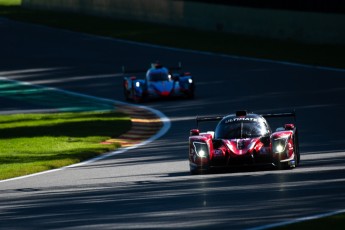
(241, 119)
(218, 152)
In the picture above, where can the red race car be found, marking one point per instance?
(243, 139)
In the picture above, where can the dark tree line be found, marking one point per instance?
(324, 6)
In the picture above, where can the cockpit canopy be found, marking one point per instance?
(238, 127)
(158, 74)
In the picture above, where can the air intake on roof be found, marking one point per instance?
(241, 113)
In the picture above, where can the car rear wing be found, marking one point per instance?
(208, 119)
(277, 115)
(243, 113)
(139, 71)
(132, 71)
(178, 67)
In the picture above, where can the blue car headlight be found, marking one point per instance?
(201, 149)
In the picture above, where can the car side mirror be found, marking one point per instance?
(194, 132)
(279, 129)
(211, 133)
(289, 126)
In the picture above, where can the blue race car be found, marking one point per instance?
(159, 82)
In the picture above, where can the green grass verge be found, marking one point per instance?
(10, 2)
(33, 143)
(336, 222)
(320, 55)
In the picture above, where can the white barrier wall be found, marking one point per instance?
(278, 24)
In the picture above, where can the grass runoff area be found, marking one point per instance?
(10, 2)
(218, 42)
(37, 142)
(33, 143)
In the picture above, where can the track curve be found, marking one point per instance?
(150, 187)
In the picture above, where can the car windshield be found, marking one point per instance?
(158, 76)
(241, 129)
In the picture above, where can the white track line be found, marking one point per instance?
(268, 226)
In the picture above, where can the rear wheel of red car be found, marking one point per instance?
(296, 147)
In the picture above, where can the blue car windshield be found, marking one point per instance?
(241, 129)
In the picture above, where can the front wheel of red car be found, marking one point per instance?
(197, 170)
(288, 164)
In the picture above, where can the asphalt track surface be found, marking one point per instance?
(150, 186)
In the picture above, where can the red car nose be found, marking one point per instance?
(165, 93)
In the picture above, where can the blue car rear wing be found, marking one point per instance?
(137, 71)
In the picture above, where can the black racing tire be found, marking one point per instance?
(296, 148)
(287, 165)
(283, 166)
(194, 172)
(198, 171)
(191, 95)
(126, 94)
(138, 99)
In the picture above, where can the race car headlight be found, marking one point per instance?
(190, 80)
(279, 145)
(201, 149)
(201, 153)
(137, 84)
(279, 148)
